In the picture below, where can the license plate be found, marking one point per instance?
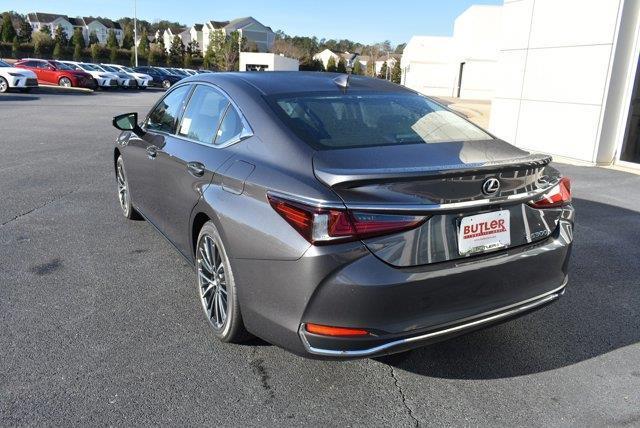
(484, 232)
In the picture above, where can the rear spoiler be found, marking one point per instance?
(345, 177)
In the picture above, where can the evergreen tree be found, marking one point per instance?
(77, 53)
(132, 59)
(112, 41)
(143, 46)
(57, 51)
(46, 30)
(41, 43)
(95, 52)
(77, 39)
(383, 71)
(8, 32)
(357, 68)
(223, 51)
(15, 47)
(371, 68)
(93, 38)
(113, 55)
(25, 31)
(127, 39)
(396, 73)
(153, 56)
(342, 66)
(60, 36)
(331, 64)
(188, 61)
(176, 51)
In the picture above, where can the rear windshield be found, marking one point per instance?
(337, 121)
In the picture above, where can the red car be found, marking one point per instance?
(56, 73)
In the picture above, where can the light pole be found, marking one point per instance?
(135, 30)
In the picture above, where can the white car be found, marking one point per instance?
(19, 78)
(102, 78)
(130, 77)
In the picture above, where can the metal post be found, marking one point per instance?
(135, 30)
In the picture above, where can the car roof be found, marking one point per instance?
(280, 82)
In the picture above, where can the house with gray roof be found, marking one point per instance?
(249, 28)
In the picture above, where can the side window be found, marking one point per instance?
(230, 128)
(202, 116)
(165, 114)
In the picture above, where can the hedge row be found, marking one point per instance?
(122, 56)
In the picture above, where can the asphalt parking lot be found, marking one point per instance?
(100, 323)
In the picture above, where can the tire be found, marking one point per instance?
(4, 85)
(65, 82)
(217, 288)
(166, 84)
(124, 196)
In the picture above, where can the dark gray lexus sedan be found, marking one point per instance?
(342, 216)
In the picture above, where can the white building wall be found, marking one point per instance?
(273, 62)
(431, 65)
(553, 73)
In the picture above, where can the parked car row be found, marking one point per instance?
(29, 72)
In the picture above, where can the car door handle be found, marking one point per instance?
(196, 169)
(152, 151)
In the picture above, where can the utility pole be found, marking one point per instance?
(135, 30)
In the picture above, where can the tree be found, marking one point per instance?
(127, 39)
(112, 41)
(77, 53)
(156, 55)
(143, 46)
(57, 51)
(331, 64)
(400, 48)
(357, 68)
(342, 66)
(95, 52)
(223, 51)
(60, 36)
(15, 47)
(188, 61)
(396, 73)
(77, 39)
(383, 71)
(25, 31)
(42, 43)
(371, 68)
(8, 32)
(132, 59)
(93, 38)
(113, 55)
(176, 52)
(46, 30)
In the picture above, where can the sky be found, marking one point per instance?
(365, 21)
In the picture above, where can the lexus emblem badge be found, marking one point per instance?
(490, 186)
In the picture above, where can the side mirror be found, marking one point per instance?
(128, 122)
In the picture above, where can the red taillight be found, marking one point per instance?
(324, 225)
(560, 194)
(326, 330)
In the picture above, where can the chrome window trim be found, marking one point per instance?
(247, 131)
(485, 318)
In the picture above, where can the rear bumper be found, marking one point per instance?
(382, 346)
(402, 308)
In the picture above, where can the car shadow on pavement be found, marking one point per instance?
(599, 312)
(18, 98)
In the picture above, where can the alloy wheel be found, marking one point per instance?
(212, 281)
(4, 86)
(65, 82)
(166, 84)
(123, 188)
